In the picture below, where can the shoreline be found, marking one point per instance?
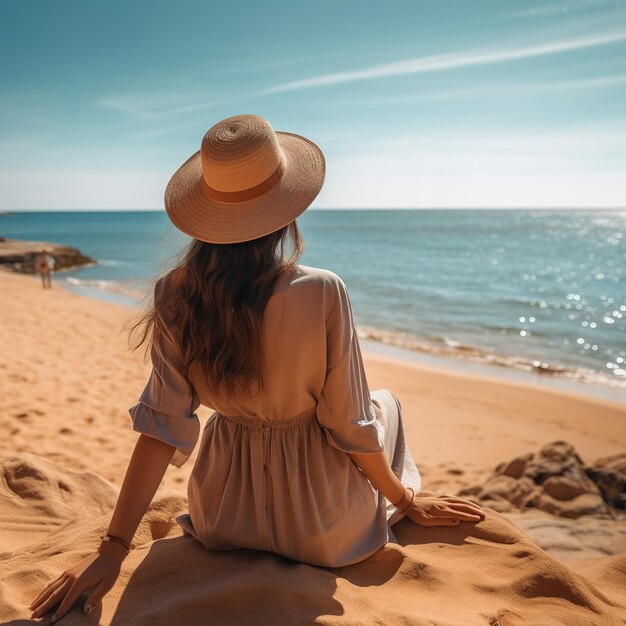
(547, 358)
(428, 390)
(537, 378)
(588, 388)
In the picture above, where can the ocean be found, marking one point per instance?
(543, 291)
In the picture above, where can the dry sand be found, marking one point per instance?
(66, 382)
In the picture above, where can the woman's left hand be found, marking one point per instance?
(442, 510)
(98, 571)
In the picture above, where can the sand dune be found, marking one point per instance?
(66, 383)
(485, 573)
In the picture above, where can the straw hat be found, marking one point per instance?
(247, 180)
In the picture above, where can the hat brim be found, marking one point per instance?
(198, 215)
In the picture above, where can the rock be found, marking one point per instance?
(499, 485)
(616, 463)
(19, 256)
(525, 493)
(494, 501)
(560, 451)
(556, 481)
(566, 487)
(470, 491)
(584, 504)
(540, 470)
(516, 467)
(609, 474)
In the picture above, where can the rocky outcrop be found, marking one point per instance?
(557, 481)
(609, 473)
(20, 256)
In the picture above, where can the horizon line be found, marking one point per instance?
(319, 209)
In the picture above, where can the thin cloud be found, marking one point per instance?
(158, 106)
(252, 65)
(563, 8)
(501, 90)
(154, 106)
(244, 66)
(442, 62)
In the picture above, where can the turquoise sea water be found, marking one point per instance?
(543, 291)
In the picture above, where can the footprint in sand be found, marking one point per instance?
(456, 471)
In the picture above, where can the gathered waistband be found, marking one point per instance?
(262, 422)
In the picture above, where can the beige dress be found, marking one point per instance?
(272, 472)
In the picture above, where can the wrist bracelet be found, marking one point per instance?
(401, 497)
(410, 501)
(116, 540)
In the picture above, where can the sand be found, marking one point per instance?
(66, 382)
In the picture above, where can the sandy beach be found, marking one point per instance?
(66, 383)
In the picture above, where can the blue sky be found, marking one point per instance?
(415, 104)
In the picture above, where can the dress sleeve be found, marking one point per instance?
(167, 405)
(345, 409)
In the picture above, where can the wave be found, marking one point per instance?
(113, 286)
(442, 346)
(515, 329)
(448, 347)
(111, 262)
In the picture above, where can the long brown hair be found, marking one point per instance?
(213, 306)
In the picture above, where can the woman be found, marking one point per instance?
(44, 264)
(298, 458)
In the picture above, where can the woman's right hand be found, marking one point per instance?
(98, 571)
(434, 510)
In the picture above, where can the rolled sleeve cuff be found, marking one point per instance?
(180, 432)
(363, 437)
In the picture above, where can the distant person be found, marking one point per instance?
(44, 264)
(298, 459)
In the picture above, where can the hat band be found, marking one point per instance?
(250, 193)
